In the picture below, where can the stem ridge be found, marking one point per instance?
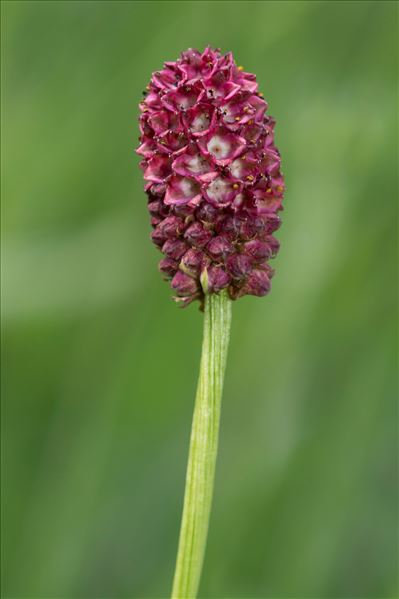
(203, 447)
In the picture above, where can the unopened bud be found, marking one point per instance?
(183, 284)
(174, 248)
(197, 235)
(239, 265)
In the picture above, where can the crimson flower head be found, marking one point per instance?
(212, 176)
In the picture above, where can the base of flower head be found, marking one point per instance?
(204, 254)
(214, 279)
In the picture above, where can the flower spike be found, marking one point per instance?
(212, 176)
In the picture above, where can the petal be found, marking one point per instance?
(193, 65)
(164, 79)
(222, 146)
(270, 162)
(252, 133)
(163, 120)
(218, 87)
(147, 148)
(159, 121)
(152, 100)
(247, 81)
(171, 142)
(245, 168)
(200, 118)
(182, 190)
(221, 191)
(183, 97)
(158, 169)
(192, 164)
(243, 109)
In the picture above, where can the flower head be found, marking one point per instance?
(212, 176)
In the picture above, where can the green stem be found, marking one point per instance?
(203, 447)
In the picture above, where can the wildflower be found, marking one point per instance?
(212, 176)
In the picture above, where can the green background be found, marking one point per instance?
(100, 366)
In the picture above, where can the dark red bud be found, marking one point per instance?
(168, 267)
(258, 283)
(239, 265)
(252, 227)
(219, 248)
(172, 226)
(174, 248)
(273, 222)
(158, 237)
(155, 220)
(183, 210)
(267, 268)
(192, 261)
(197, 235)
(207, 213)
(229, 227)
(183, 284)
(158, 189)
(218, 279)
(257, 249)
(274, 245)
(154, 207)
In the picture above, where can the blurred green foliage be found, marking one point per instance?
(99, 365)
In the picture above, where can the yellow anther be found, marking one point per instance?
(280, 188)
(269, 190)
(235, 186)
(260, 94)
(237, 118)
(240, 68)
(250, 177)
